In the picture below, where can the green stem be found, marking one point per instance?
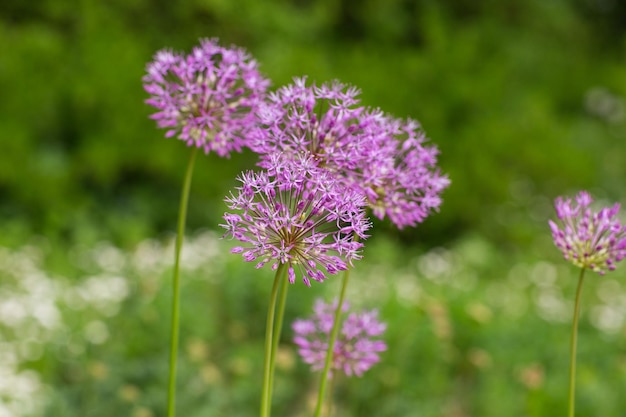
(331, 345)
(269, 343)
(278, 329)
(572, 362)
(182, 215)
(331, 384)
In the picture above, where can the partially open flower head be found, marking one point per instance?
(589, 239)
(298, 215)
(357, 346)
(398, 172)
(207, 98)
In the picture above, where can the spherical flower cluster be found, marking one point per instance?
(324, 122)
(297, 215)
(207, 98)
(398, 172)
(382, 157)
(356, 349)
(588, 239)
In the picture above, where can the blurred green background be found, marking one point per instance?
(525, 99)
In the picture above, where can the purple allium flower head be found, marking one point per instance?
(356, 348)
(299, 215)
(398, 172)
(207, 98)
(324, 122)
(384, 158)
(588, 239)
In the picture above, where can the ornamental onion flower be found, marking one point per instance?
(588, 239)
(380, 156)
(326, 123)
(299, 215)
(398, 173)
(207, 98)
(356, 349)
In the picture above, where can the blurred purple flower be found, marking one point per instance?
(398, 172)
(299, 215)
(588, 239)
(207, 98)
(356, 349)
(384, 158)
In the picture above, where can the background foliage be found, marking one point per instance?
(524, 98)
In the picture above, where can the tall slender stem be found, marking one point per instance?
(331, 345)
(269, 343)
(331, 386)
(278, 326)
(572, 361)
(182, 215)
